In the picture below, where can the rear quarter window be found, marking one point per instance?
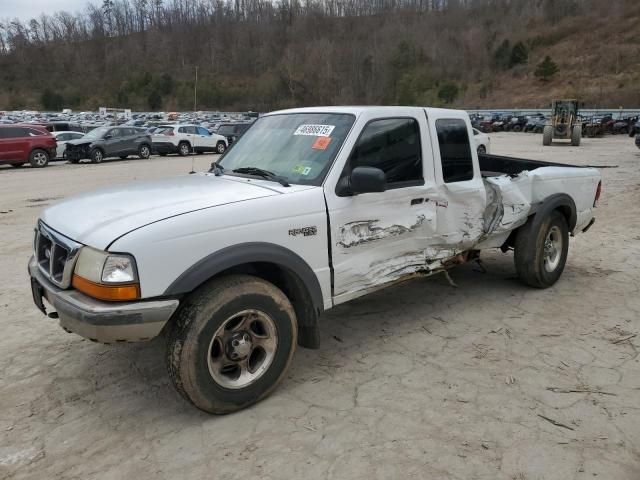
(455, 150)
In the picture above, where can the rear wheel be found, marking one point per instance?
(39, 158)
(547, 135)
(96, 155)
(144, 152)
(231, 343)
(576, 135)
(541, 250)
(184, 149)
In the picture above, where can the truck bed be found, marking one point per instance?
(515, 185)
(495, 165)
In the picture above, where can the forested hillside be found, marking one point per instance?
(262, 55)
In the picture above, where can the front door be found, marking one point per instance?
(114, 144)
(377, 238)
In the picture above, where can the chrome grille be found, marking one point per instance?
(56, 255)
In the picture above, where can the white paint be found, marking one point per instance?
(376, 238)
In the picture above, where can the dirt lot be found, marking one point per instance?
(490, 380)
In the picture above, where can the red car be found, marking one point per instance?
(20, 144)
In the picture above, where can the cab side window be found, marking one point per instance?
(455, 150)
(393, 146)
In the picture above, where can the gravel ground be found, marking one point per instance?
(490, 380)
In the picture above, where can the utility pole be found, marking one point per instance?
(195, 93)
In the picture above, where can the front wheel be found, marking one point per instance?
(39, 158)
(96, 155)
(482, 150)
(231, 343)
(541, 250)
(221, 147)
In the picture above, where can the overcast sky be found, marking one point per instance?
(27, 9)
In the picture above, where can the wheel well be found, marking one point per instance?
(184, 141)
(565, 210)
(295, 290)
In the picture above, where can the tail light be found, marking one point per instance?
(598, 192)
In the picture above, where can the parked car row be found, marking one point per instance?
(34, 144)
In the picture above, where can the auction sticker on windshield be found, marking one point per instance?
(315, 130)
(321, 143)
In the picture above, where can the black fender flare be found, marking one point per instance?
(260, 252)
(560, 201)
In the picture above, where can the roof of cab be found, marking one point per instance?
(358, 110)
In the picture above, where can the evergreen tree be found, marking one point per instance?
(546, 69)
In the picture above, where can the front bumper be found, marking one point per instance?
(77, 153)
(105, 322)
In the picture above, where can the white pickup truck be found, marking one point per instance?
(311, 208)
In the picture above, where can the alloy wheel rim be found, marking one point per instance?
(40, 158)
(552, 249)
(242, 349)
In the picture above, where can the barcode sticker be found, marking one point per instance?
(315, 130)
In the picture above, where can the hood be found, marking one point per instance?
(80, 141)
(97, 218)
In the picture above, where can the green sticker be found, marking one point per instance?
(302, 170)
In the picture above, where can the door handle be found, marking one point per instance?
(417, 201)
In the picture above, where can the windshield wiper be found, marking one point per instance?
(262, 173)
(217, 169)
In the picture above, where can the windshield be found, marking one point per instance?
(298, 147)
(97, 132)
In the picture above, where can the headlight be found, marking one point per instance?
(106, 276)
(118, 269)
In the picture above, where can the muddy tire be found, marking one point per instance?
(231, 343)
(184, 149)
(576, 135)
(547, 135)
(541, 249)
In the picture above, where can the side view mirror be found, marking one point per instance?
(108, 137)
(362, 180)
